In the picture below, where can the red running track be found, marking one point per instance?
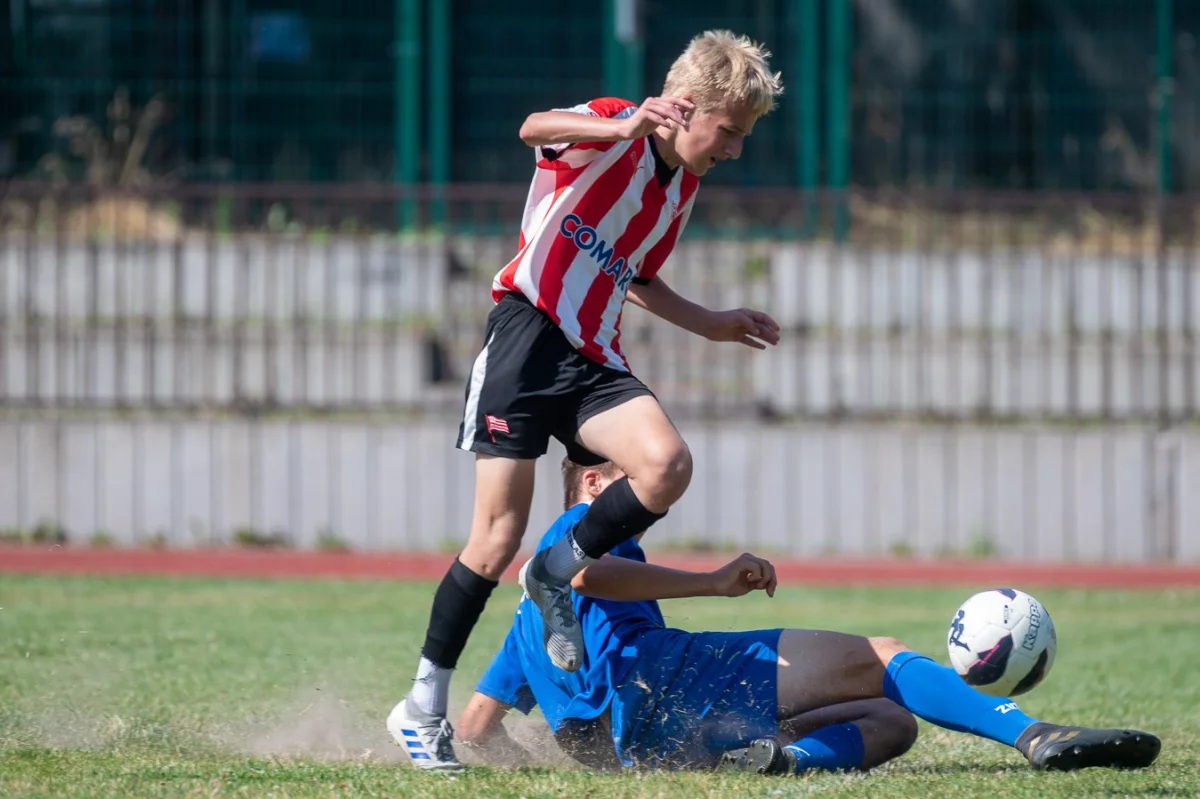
(431, 566)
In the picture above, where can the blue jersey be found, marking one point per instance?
(522, 675)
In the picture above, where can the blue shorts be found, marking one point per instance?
(688, 697)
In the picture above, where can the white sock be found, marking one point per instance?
(431, 689)
(565, 559)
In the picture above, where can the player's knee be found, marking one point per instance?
(888, 730)
(665, 471)
(886, 648)
(899, 732)
(506, 545)
(493, 545)
(903, 726)
(504, 538)
(677, 471)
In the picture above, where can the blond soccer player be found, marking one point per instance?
(614, 184)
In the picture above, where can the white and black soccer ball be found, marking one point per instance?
(1002, 642)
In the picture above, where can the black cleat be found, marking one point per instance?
(1053, 748)
(766, 756)
(731, 760)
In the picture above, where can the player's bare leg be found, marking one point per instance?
(640, 440)
(885, 729)
(503, 495)
(819, 668)
(888, 730)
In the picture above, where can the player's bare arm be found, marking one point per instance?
(564, 127)
(482, 728)
(624, 580)
(743, 325)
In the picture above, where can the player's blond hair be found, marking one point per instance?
(720, 68)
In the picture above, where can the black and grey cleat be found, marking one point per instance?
(1053, 748)
(766, 756)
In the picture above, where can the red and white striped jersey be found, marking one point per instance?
(596, 217)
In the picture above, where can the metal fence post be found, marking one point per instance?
(807, 18)
(837, 72)
(407, 52)
(623, 50)
(439, 105)
(1164, 91)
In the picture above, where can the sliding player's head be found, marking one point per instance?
(584, 483)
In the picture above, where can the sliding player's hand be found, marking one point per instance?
(744, 326)
(744, 574)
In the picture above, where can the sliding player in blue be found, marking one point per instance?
(770, 701)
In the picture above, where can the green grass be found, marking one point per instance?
(151, 687)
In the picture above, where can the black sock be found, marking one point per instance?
(459, 600)
(615, 516)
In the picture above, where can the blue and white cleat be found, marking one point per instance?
(428, 740)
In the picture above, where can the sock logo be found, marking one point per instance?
(1003, 709)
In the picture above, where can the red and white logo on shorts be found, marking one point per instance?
(495, 425)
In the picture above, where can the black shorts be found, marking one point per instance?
(530, 383)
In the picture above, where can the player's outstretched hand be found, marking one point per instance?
(745, 326)
(669, 112)
(744, 574)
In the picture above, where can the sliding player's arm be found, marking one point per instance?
(481, 727)
(625, 580)
(501, 688)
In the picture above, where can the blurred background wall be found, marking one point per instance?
(245, 250)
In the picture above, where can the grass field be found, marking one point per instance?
(154, 687)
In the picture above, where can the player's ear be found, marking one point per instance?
(592, 483)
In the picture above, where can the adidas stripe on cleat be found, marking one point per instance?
(427, 740)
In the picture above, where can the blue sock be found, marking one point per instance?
(836, 748)
(937, 694)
